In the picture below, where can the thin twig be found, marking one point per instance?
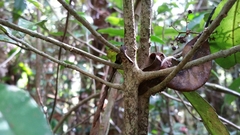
(220, 88)
(188, 104)
(169, 117)
(87, 44)
(58, 43)
(39, 67)
(199, 119)
(58, 65)
(88, 26)
(4, 63)
(72, 128)
(72, 109)
(116, 86)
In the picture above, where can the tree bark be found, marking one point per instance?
(145, 31)
(143, 53)
(143, 113)
(131, 71)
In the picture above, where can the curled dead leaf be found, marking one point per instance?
(186, 80)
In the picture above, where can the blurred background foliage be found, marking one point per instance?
(169, 20)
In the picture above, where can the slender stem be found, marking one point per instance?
(58, 43)
(88, 26)
(188, 104)
(220, 88)
(58, 65)
(116, 86)
(4, 63)
(72, 109)
(87, 44)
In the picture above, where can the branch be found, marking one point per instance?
(174, 70)
(220, 88)
(87, 44)
(223, 53)
(131, 70)
(58, 43)
(145, 31)
(73, 109)
(206, 33)
(116, 86)
(88, 26)
(4, 63)
(188, 104)
(58, 65)
(179, 97)
(129, 30)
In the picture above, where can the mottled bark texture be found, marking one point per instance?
(130, 71)
(143, 54)
(145, 31)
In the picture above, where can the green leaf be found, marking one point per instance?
(234, 86)
(59, 33)
(156, 39)
(18, 8)
(116, 43)
(25, 68)
(31, 25)
(2, 4)
(20, 114)
(207, 113)
(37, 4)
(196, 22)
(111, 55)
(42, 24)
(165, 7)
(168, 32)
(227, 35)
(112, 32)
(115, 21)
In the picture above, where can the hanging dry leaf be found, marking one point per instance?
(186, 80)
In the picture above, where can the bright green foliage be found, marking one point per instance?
(168, 32)
(112, 31)
(196, 22)
(156, 39)
(20, 114)
(227, 35)
(115, 21)
(207, 113)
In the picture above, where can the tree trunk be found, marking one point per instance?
(143, 113)
(135, 108)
